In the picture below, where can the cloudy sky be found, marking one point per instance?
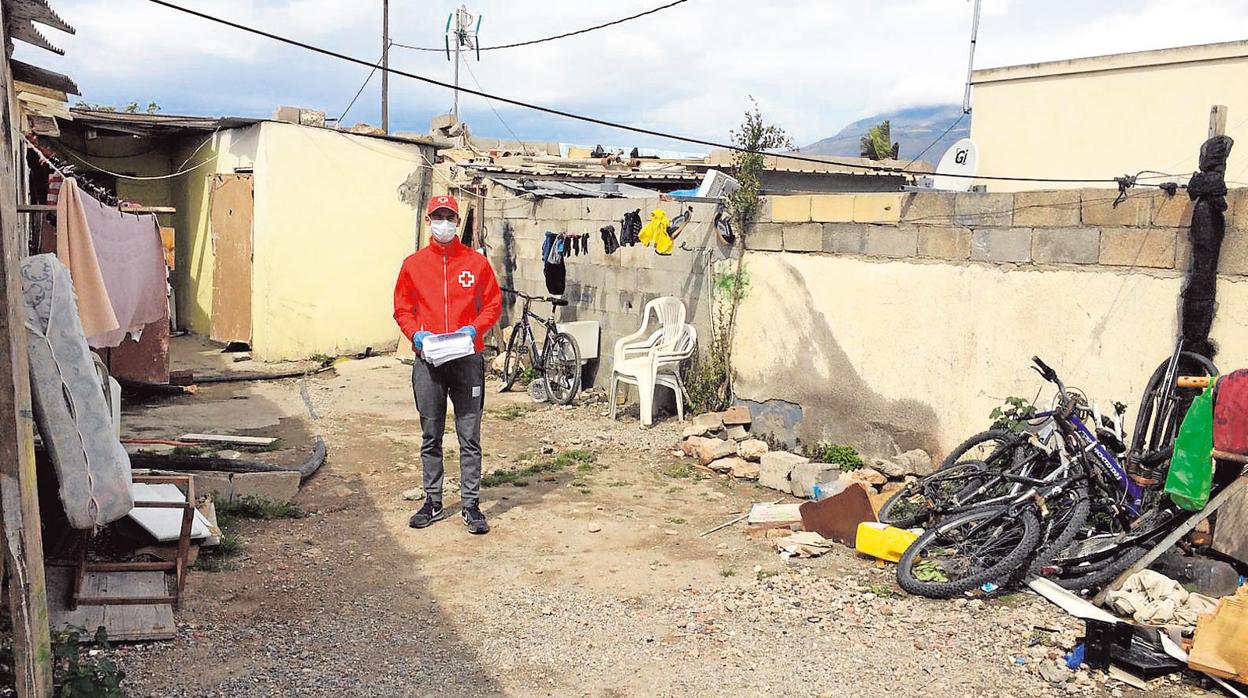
(813, 65)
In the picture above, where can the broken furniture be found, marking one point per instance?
(649, 358)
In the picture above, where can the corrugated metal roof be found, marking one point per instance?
(554, 188)
(595, 174)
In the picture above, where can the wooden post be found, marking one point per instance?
(1217, 120)
(19, 503)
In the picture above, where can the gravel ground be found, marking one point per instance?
(592, 583)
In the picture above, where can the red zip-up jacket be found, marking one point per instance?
(442, 288)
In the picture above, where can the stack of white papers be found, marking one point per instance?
(440, 348)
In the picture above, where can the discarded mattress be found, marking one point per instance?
(74, 420)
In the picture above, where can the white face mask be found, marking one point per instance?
(443, 231)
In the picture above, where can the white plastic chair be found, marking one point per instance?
(646, 360)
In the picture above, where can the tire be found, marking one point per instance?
(912, 505)
(1062, 531)
(562, 364)
(514, 357)
(1092, 581)
(1015, 539)
(980, 439)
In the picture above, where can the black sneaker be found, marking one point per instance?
(430, 512)
(475, 520)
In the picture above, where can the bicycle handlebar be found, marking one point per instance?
(547, 299)
(1046, 372)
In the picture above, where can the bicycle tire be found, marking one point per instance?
(982, 437)
(1003, 568)
(564, 369)
(512, 358)
(894, 511)
(1092, 581)
(1068, 530)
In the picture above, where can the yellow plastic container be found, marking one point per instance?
(883, 541)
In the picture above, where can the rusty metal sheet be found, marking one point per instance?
(146, 360)
(231, 209)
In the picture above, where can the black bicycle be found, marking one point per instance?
(558, 362)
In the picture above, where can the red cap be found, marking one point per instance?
(447, 202)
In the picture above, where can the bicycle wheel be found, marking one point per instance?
(514, 358)
(915, 503)
(1068, 514)
(984, 446)
(965, 552)
(562, 366)
(1090, 578)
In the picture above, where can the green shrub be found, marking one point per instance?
(840, 455)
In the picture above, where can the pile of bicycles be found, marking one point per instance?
(1060, 495)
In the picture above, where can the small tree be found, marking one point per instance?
(878, 143)
(754, 138)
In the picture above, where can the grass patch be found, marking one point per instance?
(618, 483)
(840, 455)
(766, 574)
(223, 557)
(727, 572)
(678, 471)
(519, 477)
(677, 520)
(512, 412)
(671, 490)
(256, 508)
(882, 591)
(586, 490)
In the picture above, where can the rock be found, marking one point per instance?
(775, 467)
(804, 477)
(710, 450)
(594, 527)
(867, 476)
(278, 486)
(738, 433)
(1053, 673)
(230, 455)
(691, 445)
(727, 465)
(548, 450)
(752, 449)
(737, 415)
(498, 363)
(887, 467)
(414, 495)
(744, 469)
(693, 432)
(709, 422)
(917, 462)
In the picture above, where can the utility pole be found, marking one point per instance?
(385, 66)
(461, 31)
(459, 28)
(970, 62)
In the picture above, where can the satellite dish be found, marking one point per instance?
(961, 159)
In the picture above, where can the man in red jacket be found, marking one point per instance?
(448, 287)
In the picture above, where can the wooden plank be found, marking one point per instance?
(1230, 528)
(48, 92)
(227, 439)
(35, 75)
(1176, 535)
(123, 623)
(230, 214)
(19, 502)
(1217, 120)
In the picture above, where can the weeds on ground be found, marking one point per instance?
(840, 455)
(676, 520)
(728, 572)
(224, 556)
(322, 359)
(519, 477)
(618, 483)
(882, 591)
(256, 508)
(81, 675)
(678, 470)
(766, 574)
(512, 412)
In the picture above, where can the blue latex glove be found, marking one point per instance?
(468, 330)
(418, 339)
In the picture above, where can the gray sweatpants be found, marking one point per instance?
(463, 381)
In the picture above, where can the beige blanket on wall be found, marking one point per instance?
(76, 251)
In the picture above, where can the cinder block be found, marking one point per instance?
(844, 238)
(974, 210)
(804, 237)
(213, 483)
(281, 486)
(943, 242)
(519, 208)
(1172, 211)
(1234, 257)
(767, 237)
(890, 241)
(1001, 245)
(1139, 247)
(1237, 214)
(1047, 209)
(877, 208)
(775, 467)
(832, 208)
(1065, 245)
(790, 209)
(933, 208)
(1099, 210)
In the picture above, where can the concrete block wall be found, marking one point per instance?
(611, 289)
(1029, 229)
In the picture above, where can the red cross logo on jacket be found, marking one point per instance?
(466, 279)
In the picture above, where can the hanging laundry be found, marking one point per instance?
(585, 243)
(553, 268)
(630, 228)
(576, 245)
(678, 224)
(129, 257)
(1230, 412)
(723, 226)
(655, 233)
(609, 242)
(76, 250)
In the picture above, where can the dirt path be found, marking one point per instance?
(593, 581)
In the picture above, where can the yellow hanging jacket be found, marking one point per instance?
(655, 232)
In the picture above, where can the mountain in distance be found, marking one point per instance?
(914, 128)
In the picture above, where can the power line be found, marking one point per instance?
(491, 105)
(361, 90)
(565, 35)
(929, 145)
(611, 124)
